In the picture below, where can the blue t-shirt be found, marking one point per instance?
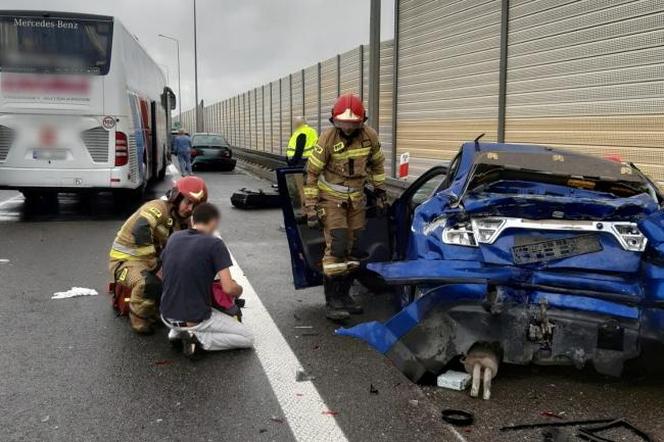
(181, 144)
(190, 261)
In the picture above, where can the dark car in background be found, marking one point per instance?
(211, 151)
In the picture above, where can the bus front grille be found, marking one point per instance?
(96, 141)
(6, 139)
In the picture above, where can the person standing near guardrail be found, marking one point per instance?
(347, 157)
(182, 148)
(301, 142)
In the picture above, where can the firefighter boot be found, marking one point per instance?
(334, 307)
(348, 302)
(140, 325)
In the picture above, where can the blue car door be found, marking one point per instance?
(383, 239)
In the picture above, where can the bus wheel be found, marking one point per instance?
(128, 198)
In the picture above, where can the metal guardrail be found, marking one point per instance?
(272, 161)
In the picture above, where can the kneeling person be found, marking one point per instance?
(190, 262)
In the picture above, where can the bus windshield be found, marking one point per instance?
(58, 45)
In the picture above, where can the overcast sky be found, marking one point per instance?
(241, 43)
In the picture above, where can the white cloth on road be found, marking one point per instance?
(219, 332)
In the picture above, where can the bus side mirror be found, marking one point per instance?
(168, 100)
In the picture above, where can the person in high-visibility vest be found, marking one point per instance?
(134, 257)
(301, 143)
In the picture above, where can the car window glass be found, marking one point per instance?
(427, 189)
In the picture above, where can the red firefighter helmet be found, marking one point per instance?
(191, 187)
(348, 112)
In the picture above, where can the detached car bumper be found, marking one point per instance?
(530, 317)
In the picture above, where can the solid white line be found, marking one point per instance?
(303, 407)
(10, 200)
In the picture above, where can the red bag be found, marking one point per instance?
(121, 295)
(220, 298)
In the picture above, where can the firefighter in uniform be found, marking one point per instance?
(347, 157)
(302, 140)
(134, 256)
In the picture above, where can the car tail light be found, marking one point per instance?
(121, 149)
(486, 229)
(630, 236)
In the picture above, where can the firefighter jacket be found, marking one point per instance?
(311, 137)
(338, 169)
(144, 234)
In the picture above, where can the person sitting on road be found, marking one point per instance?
(182, 148)
(191, 261)
(134, 256)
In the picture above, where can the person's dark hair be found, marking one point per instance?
(204, 213)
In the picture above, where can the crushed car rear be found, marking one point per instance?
(540, 255)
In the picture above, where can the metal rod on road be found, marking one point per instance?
(177, 43)
(374, 64)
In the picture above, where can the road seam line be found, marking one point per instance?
(302, 405)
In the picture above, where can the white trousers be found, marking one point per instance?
(220, 332)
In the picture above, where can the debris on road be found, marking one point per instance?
(458, 418)
(482, 362)
(45, 418)
(454, 380)
(297, 318)
(573, 423)
(302, 376)
(306, 327)
(277, 419)
(164, 362)
(330, 413)
(593, 433)
(372, 389)
(413, 402)
(552, 414)
(4, 261)
(74, 292)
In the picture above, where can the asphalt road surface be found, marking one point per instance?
(70, 370)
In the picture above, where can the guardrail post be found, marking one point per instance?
(304, 102)
(290, 102)
(281, 119)
(338, 74)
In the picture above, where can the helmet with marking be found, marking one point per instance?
(348, 113)
(192, 188)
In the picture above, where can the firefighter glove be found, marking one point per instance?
(381, 202)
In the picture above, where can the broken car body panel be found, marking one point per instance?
(550, 256)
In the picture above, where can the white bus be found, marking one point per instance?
(83, 107)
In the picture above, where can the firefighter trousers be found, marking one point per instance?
(343, 221)
(145, 292)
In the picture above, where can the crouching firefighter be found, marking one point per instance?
(347, 157)
(134, 256)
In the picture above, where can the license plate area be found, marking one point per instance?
(544, 251)
(49, 154)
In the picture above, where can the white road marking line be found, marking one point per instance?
(301, 403)
(10, 201)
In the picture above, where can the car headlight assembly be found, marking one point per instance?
(487, 229)
(460, 235)
(629, 236)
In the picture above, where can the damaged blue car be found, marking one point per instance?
(542, 255)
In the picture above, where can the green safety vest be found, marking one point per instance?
(312, 139)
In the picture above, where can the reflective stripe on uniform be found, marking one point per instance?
(311, 191)
(335, 268)
(378, 156)
(315, 162)
(119, 251)
(355, 153)
(337, 191)
(379, 179)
